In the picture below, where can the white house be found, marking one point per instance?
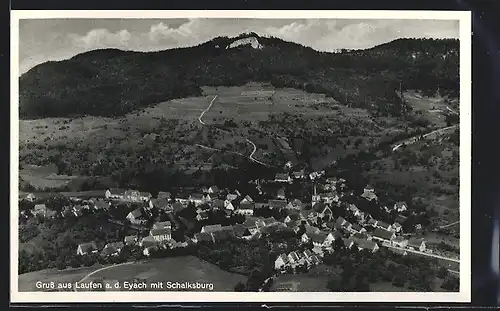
(281, 262)
(245, 209)
(416, 244)
(86, 248)
(197, 198)
(284, 178)
(161, 234)
(228, 205)
(400, 206)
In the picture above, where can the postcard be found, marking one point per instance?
(240, 156)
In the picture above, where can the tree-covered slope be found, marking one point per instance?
(112, 82)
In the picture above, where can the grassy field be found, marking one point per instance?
(431, 108)
(176, 269)
(27, 281)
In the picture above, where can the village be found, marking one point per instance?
(318, 218)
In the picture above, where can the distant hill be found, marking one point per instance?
(112, 82)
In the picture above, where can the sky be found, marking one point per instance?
(42, 40)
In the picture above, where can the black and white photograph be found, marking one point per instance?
(240, 156)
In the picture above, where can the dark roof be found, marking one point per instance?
(384, 234)
(249, 223)
(212, 228)
(340, 221)
(214, 189)
(319, 237)
(163, 195)
(365, 244)
(137, 212)
(217, 203)
(204, 237)
(222, 235)
(368, 187)
(294, 217)
(277, 203)
(400, 219)
(281, 176)
(160, 203)
(240, 230)
(196, 196)
(88, 247)
(356, 227)
(178, 207)
(117, 191)
(383, 224)
(269, 221)
(162, 224)
(319, 207)
(247, 206)
(160, 231)
(415, 242)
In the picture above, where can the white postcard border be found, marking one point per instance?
(166, 297)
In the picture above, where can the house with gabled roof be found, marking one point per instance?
(162, 224)
(383, 235)
(308, 215)
(112, 249)
(86, 248)
(211, 228)
(281, 195)
(43, 211)
(231, 197)
(115, 194)
(399, 241)
(148, 241)
(400, 219)
(277, 204)
(213, 189)
(384, 225)
(247, 199)
(130, 240)
(228, 205)
(245, 209)
(241, 232)
(292, 218)
(356, 228)
(269, 221)
(202, 215)
(366, 245)
(372, 222)
(329, 197)
(396, 227)
(177, 207)
(164, 195)
(299, 174)
(197, 198)
(354, 210)
(295, 259)
(281, 262)
(295, 204)
(203, 237)
(161, 204)
(161, 234)
(223, 235)
(136, 216)
(322, 239)
(282, 178)
(217, 204)
(416, 244)
(400, 206)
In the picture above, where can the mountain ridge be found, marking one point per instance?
(113, 82)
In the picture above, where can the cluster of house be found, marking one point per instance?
(160, 235)
(322, 228)
(296, 259)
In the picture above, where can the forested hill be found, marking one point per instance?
(112, 82)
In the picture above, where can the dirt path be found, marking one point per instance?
(449, 225)
(102, 269)
(237, 153)
(206, 110)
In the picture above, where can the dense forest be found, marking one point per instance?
(111, 82)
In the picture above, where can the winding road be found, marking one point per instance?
(414, 139)
(206, 110)
(449, 225)
(200, 119)
(425, 254)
